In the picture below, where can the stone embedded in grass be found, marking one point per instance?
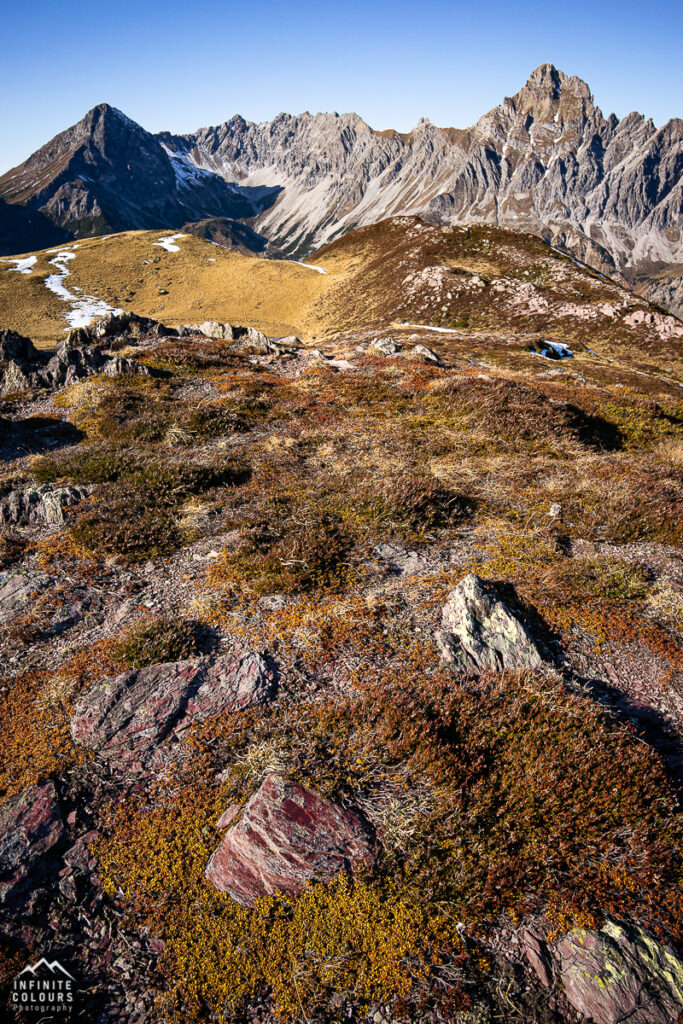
(214, 329)
(247, 337)
(285, 837)
(136, 720)
(17, 591)
(31, 826)
(385, 347)
(611, 975)
(481, 634)
(425, 354)
(39, 506)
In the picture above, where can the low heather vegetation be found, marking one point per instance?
(296, 522)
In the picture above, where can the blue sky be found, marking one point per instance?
(181, 66)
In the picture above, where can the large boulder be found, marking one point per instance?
(285, 837)
(245, 339)
(216, 330)
(137, 719)
(479, 632)
(425, 354)
(31, 828)
(385, 347)
(611, 975)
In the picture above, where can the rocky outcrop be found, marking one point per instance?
(136, 720)
(125, 327)
(31, 828)
(39, 506)
(245, 339)
(84, 353)
(284, 837)
(18, 359)
(480, 633)
(610, 976)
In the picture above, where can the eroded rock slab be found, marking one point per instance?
(285, 837)
(480, 633)
(31, 827)
(136, 719)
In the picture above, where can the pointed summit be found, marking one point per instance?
(546, 80)
(549, 92)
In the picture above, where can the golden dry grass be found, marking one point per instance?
(203, 281)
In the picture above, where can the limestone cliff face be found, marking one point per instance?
(546, 160)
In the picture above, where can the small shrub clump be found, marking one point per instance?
(301, 540)
(513, 409)
(154, 641)
(138, 517)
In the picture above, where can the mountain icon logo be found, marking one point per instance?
(44, 992)
(55, 968)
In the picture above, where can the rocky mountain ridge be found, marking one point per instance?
(546, 160)
(107, 173)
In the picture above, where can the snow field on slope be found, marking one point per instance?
(168, 242)
(84, 308)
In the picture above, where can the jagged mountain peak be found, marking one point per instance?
(547, 80)
(549, 92)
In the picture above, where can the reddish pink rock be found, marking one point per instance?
(534, 945)
(620, 974)
(285, 837)
(135, 719)
(612, 975)
(31, 826)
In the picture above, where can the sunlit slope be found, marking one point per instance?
(192, 280)
(497, 287)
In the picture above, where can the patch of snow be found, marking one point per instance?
(310, 266)
(168, 242)
(438, 330)
(24, 266)
(84, 308)
(554, 350)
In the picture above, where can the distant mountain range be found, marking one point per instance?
(608, 191)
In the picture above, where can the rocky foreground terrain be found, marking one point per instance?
(342, 678)
(546, 160)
